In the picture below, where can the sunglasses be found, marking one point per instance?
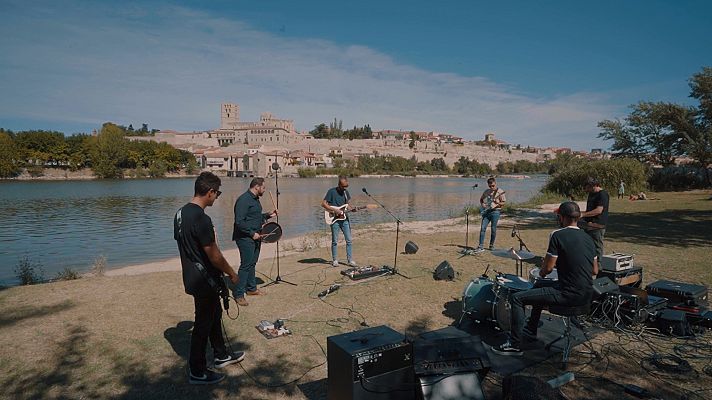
(217, 193)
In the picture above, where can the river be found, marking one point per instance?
(71, 223)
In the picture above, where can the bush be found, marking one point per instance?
(29, 272)
(99, 267)
(157, 169)
(35, 171)
(67, 274)
(306, 172)
(570, 178)
(677, 178)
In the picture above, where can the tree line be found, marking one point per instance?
(335, 131)
(661, 132)
(109, 154)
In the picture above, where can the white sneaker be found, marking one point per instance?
(352, 263)
(335, 263)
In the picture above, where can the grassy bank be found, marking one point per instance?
(127, 337)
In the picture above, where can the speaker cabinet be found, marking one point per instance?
(411, 247)
(370, 364)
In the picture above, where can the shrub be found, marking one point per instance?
(29, 272)
(99, 266)
(570, 178)
(673, 178)
(306, 172)
(35, 171)
(67, 274)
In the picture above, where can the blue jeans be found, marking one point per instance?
(249, 253)
(487, 217)
(345, 227)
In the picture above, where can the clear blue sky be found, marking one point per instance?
(540, 73)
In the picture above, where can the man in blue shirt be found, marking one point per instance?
(249, 219)
(335, 198)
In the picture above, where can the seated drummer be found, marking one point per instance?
(573, 253)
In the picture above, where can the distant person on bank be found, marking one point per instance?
(249, 220)
(203, 265)
(596, 215)
(621, 190)
(491, 203)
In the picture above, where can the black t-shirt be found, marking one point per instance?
(193, 229)
(574, 251)
(596, 199)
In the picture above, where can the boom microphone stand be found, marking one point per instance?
(398, 222)
(278, 279)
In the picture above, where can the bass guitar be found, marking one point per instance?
(333, 216)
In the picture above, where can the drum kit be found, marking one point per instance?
(488, 299)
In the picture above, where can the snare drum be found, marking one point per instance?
(550, 280)
(504, 286)
(478, 299)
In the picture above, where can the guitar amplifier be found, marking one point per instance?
(370, 364)
(628, 277)
(616, 262)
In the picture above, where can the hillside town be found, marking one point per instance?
(245, 148)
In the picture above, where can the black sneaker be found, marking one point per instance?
(207, 378)
(506, 349)
(231, 358)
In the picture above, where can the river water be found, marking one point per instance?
(71, 223)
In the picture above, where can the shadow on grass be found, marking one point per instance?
(316, 390)
(179, 339)
(14, 315)
(686, 228)
(313, 261)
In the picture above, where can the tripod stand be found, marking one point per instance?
(278, 279)
(398, 222)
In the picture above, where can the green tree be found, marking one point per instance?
(413, 138)
(8, 153)
(109, 152)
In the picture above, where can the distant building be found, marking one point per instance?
(268, 130)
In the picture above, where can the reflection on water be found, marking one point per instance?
(69, 224)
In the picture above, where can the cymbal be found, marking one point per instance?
(513, 254)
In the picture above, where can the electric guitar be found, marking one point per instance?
(332, 216)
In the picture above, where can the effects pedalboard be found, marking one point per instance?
(358, 273)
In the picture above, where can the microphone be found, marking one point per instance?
(364, 190)
(514, 230)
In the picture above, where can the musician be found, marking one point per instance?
(249, 220)
(596, 215)
(491, 203)
(573, 254)
(335, 198)
(203, 266)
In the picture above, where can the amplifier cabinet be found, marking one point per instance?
(632, 277)
(616, 262)
(374, 363)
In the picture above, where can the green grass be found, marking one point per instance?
(127, 337)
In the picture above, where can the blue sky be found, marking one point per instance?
(539, 73)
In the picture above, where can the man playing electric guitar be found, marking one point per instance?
(334, 201)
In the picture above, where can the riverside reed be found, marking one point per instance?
(126, 337)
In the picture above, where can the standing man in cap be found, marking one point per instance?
(596, 215)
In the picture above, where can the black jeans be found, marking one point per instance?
(537, 298)
(597, 236)
(208, 325)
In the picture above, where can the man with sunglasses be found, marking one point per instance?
(249, 220)
(203, 265)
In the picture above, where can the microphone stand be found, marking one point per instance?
(522, 246)
(398, 222)
(278, 279)
(467, 220)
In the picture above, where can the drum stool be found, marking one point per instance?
(568, 312)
